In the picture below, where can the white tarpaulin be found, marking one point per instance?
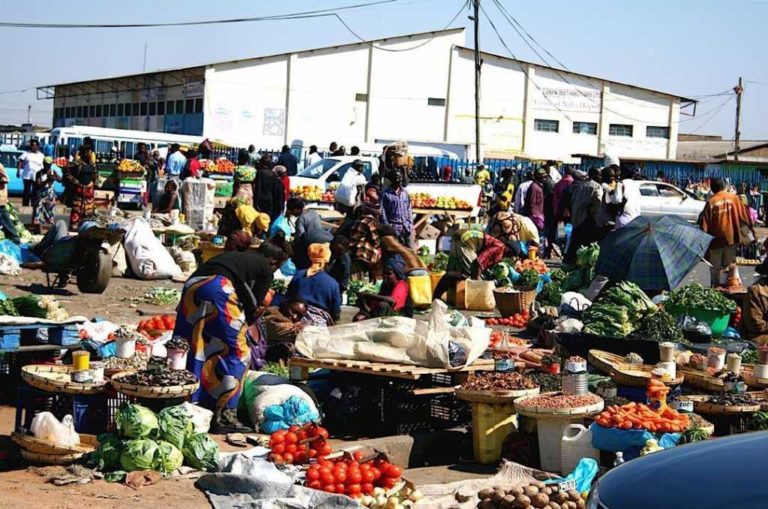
(433, 343)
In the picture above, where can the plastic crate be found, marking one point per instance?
(31, 401)
(90, 413)
(113, 403)
(63, 336)
(10, 340)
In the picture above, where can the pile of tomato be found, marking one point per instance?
(297, 445)
(519, 320)
(736, 317)
(352, 477)
(157, 324)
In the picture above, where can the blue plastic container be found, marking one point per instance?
(90, 413)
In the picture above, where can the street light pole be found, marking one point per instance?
(476, 4)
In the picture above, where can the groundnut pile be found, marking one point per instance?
(492, 381)
(536, 494)
(560, 401)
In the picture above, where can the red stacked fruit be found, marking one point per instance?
(351, 477)
(298, 445)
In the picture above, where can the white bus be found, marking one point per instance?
(125, 140)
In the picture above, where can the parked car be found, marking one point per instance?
(661, 199)
(718, 473)
(9, 157)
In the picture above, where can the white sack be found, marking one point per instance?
(146, 255)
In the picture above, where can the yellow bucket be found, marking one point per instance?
(491, 424)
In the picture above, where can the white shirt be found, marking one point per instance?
(313, 158)
(631, 210)
(520, 196)
(554, 175)
(33, 162)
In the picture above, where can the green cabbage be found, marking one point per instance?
(201, 452)
(136, 421)
(168, 458)
(107, 456)
(175, 425)
(139, 455)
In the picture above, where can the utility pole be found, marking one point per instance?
(29, 113)
(476, 5)
(739, 89)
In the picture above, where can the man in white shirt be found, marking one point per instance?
(313, 156)
(522, 190)
(554, 173)
(630, 190)
(29, 164)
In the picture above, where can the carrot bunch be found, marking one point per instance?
(657, 391)
(640, 416)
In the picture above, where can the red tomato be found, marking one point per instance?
(367, 488)
(315, 485)
(394, 471)
(389, 482)
(288, 458)
(302, 435)
(354, 476)
(313, 474)
(340, 475)
(300, 457)
(293, 429)
(340, 488)
(325, 469)
(327, 477)
(322, 432)
(276, 458)
(358, 455)
(142, 325)
(329, 488)
(278, 448)
(312, 453)
(354, 489)
(326, 450)
(367, 475)
(278, 436)
(376, 474)
(318, 444)
(291, 448)
(168, 322)
(291, 438)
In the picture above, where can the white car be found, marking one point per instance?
(660, 199)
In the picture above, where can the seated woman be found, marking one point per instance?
(282, 324)
(318, 289)
(169, 200)
(514, 231)
(221, 304)
(392, 299)
(472, 251)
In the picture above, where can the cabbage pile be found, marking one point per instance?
(147, 441)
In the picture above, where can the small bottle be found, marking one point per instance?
(619, 459)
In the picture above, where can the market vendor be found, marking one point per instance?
(515, 231)
(169, 200)
(392, 298)
(318, 289)
(308, 230)
(218, 304)
(44, 195)
(282, 324)
(472, 251)
(244, 176)
(757, 326)
(80, 176)
(391, 247)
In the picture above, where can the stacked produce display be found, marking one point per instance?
(533, 495)
(618, 311)
(427, 201)
(313, 194)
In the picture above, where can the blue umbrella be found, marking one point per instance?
(656, 253)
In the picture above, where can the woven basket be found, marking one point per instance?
(623, 373)
(51, 459)
(29, 443)
(509, 303)
(142, 391)
(53, 378)
(494, 397)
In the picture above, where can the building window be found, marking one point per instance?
(98, 110)
(143, 109)
(180, 106)
(547, 126)
(584, 128)
(112, 110)
(66, 112)
(361, 98)
(199, 105)
(161, 107)
(152, 109)
(170, 108)
(120, 110)
(620, 130)
(190, 106)
(127, 109)
(135, 109)
(657, 132)
(435, 101)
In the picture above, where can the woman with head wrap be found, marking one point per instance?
(318, 289)
(244, 175)
(220, 315)
(513, 230)
(44, 198)
(253, 224)
(282, 174)
(393, 295)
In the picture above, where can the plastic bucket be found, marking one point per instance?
(717, 321)
(177, 359)
(125, 348)
(575, 444)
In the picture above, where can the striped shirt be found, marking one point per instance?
(396, 210)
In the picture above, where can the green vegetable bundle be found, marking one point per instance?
(659, 327)
(439, 263)
(529, 278)
(629, 295)
(29, 305)
(696, 296)
(7, 308)
(607, 320)
(356, 287)
(586, 256)
(175, 425)
(618, 310)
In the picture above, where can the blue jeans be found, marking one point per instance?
(7, 225)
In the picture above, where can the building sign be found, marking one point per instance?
(194, 88)
(274, 121)
(568, 99)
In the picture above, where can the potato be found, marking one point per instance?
(560, 497)
(539, 500)
(516, 491)
(554, 505)
(571, 505)
(547, 490)
(554, 487)
(486, 504)
(497, 496)
(485, 493)
(530, 490)
(581, 504)
(539, 484)
(574, 495)
(508, 502)
(523, 502)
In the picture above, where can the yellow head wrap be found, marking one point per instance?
(262, 222)
(319, 255)
(246, 215)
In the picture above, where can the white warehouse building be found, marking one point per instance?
(358, 93)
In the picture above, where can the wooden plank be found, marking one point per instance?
(392, 370)
(41, 348)
(428, 391)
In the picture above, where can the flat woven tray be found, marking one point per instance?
(701, 406)
(142, 391)
(53, 378)
(29, 443)
(494, 397)
(701, 379)
(633, 375)
(556, 413)
(747, 372)
(51, 459)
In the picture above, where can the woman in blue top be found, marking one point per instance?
(318, 289)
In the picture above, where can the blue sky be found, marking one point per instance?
(687, 47)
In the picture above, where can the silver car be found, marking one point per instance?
(660, 199)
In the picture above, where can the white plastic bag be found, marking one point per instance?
(346, 194)
(201, 417)
(9, 266)
(146, 254)
(47, 427)
(98, 331)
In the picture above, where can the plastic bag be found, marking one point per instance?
(10, 249)
(293, 411)
(628, 441)
(280, 225)
(9, 266)
(583, 474)
(346, 194)
(47, 427)
(201, 417)
(693, 328)
(573, 304)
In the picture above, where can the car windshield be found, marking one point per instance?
(318, 169)
(9, 159)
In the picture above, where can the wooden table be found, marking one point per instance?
(423, 215)
(300, 368)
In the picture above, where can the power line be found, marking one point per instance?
(713, 110)
(296, 15)
(710, 118)
(757, 82)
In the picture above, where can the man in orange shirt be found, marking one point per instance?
(722, 217)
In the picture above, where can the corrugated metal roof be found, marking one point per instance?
(714, 150)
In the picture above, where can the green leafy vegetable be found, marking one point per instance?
(136, 421)
(749, 356)
(201, 452)
(107, 456)
(29, 305)
(529, 278)
(696, 296)
(694, 435)
(659, 327)
(168, 458)
(8, 308)
(139, 455)
(551, 294)
(759, 421)
(439, 263)
(280, 286)
(618, 310)
(175, 425)
(586, 256)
